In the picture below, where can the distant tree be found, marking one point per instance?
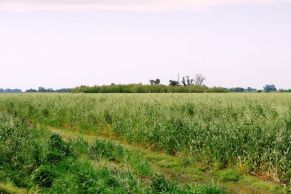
(191, 81)
(9, 90)
(199, 80)
(174, 83)
(63, 90)
(152, 82)
(237, 89)
(270, 88)
(184, 81)
(284, 90)
(41, 89)
(50, 90)
(217, 90)
(31, 90)
(155, 82)
(158, 81)
(188, 81)
(249, 89)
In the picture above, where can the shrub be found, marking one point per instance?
(57, 149)
(229, 175)
(44, 176)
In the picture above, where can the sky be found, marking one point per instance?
(68, 43)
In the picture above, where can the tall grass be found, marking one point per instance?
(45, 163)
(115, 152)
(251, 131)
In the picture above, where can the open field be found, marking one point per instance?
(145, 143)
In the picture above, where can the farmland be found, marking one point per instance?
(145, 143)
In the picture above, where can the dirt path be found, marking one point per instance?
(10, 189)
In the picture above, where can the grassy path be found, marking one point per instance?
(178, 168)
(10, 189)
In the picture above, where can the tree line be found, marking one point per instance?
(9, 90)
(185, 84)
(140, 88)
(47, 90)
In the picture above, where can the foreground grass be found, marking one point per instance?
(43, 162)
(184, 170)
(226, 137)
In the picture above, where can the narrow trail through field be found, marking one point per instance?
(10, 189)
(174, 168)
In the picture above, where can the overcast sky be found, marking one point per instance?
(67, 43)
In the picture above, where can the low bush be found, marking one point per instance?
(229, 175)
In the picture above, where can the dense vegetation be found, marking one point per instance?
(9, 90)
(186, 86)
(140, 88)
(251, 132)
(42, 162)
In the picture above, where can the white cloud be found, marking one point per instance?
(132, 5)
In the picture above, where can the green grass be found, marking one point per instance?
(229, 175)
(178, 172)
(43, 162)
(247, 132)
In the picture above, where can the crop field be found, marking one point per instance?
(145, 143)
